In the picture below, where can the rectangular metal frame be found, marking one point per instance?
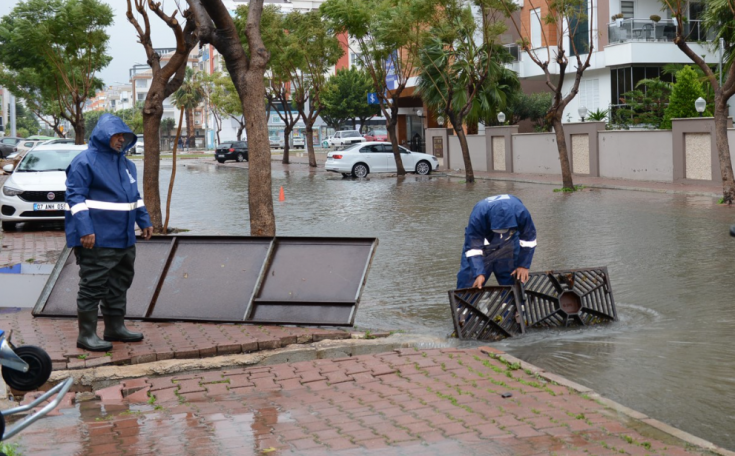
(488, 313)
(287, 288)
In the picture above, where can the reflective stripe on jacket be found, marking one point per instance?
(498, 212)
(102, 190)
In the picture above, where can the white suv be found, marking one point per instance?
(346, 137)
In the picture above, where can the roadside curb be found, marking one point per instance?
(612, 405)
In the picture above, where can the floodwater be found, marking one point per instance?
(671, 355)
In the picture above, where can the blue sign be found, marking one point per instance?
(373, 98)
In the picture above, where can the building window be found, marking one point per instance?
(580, 31)
(625, 79)
(141, 96)
(589, 94)
(628, 9)
(141, 83)
(355, 60)
(536, 28)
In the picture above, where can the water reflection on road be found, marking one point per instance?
(670, 260)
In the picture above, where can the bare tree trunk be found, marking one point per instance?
(152, 114)
(173, 176)
(239, 131)
(723, 150)
(390, 125)
(190, 132)
(286, 146)
(561, 145)
(310, 143)
(468, 171)
(262, 218)
(78, 125)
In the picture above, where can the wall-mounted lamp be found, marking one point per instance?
(440, 121)
(700, 105)
(501, 117)
(582, 112)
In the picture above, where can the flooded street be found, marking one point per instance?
(670, 260)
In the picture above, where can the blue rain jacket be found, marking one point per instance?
(102, 191)
(500, 212)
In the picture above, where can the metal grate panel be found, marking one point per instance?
(490, 313)
(315, 281)
(569, 297)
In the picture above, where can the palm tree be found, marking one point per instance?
(463, 79)
(188, 97)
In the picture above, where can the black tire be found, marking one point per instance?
(346, 175)
(360, 170)
(39, 369)
(7, 226)
(2, 430)
(423, 168)
(219, 160)
(240, 158)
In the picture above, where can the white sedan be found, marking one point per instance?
(37, 189)
(361, 159)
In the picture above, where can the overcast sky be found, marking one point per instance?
(123, 45)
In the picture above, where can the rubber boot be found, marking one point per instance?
(88, 338)
(115, 330)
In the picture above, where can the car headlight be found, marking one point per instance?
(10, 191)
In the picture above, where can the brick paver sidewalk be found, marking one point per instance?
(58, 336)
(34, 246)
(405, 402)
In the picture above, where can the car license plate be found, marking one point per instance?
(220, 155)
(49, 206)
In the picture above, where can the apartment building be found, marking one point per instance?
(625, 50)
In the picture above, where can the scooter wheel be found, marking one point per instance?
(39, 369)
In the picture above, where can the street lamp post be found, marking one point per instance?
(582, 112)
(700, 105)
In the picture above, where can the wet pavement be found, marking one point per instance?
(667, 250)
(404, 402)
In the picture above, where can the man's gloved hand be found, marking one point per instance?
(87, 241)
(521, 274)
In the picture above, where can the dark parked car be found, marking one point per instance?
(8, 145)
(232, 150)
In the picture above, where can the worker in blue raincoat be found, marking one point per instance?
(500, 239)
(103, 206)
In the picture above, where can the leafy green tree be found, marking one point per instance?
(51, 51)
(345, 98)
(90, 120)
(645, 106)
(684, 93)
(387, 36)
(168, 124)
(188, 97)
(25, 119)
(227, 101)
(463, 77)
(311, 49)
(719, 16)
(532, 106)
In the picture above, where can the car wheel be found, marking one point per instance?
(423, 167)
(7, 226)
(360, 170)
(220, 160)
(240, 157)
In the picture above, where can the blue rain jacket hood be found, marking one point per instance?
(102, 191)
(499, 212)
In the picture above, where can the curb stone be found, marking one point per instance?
(612, 405)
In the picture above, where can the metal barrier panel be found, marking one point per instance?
(210, 279)
(569, 297)
(302, 286)
(488, 313)
(233, 279)
(149, 263)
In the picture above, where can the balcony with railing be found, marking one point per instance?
(646, 30)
